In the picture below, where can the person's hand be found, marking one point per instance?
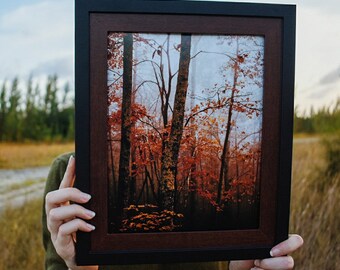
(279, 260)
(65, 219)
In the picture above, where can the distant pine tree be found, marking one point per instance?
(37, 115)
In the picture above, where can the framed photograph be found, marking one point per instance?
(183, 129)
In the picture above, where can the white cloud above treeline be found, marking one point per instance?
(331, 77)
(38, 38)
(33, 35)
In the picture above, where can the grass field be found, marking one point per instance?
(315, 208)
(20, 237)
(18, 156)
(315, 214)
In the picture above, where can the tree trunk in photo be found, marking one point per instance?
(125, 148)
(171, 149)
(238, 195)
(149, 174)
(192, 183)
(224, 157)
(154, 174)
(112, 181)
(224, 170)
(133, 180)
(258, 170)
(165, 92)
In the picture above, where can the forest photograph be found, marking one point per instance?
(184, 131)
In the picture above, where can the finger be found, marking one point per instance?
(57, 197)
(278, 263)
(71, 211)
(64, 242)
(69, 175)
(67, 229)
(291, 244)
(60, 214)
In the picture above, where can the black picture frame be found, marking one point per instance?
(94, 19)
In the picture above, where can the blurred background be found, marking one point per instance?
(37, 124)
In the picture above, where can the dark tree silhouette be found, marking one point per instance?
(125, 149)
(223, 177)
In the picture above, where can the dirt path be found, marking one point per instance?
(19, 186)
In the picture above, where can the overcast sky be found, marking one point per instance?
(37, 36)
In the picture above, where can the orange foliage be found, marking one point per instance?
(201, 144)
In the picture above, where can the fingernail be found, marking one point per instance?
(86, 197)
(91, 227)
(70, 159)
(257, 262)
(274, 252)
(90, 213)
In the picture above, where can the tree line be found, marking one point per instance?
(35, 113)
(324, 120)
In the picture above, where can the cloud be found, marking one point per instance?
(324, 92)
(39, 38)
(63, 67)
(317, 97)
(329, 6)
(317, 42)
(33, 35)
(331, 77)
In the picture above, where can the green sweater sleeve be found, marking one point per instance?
(56, 173)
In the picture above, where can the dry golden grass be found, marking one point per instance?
(315, 214)
(305, 135)
(315, 211)
(17, 156)
(20, 237)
